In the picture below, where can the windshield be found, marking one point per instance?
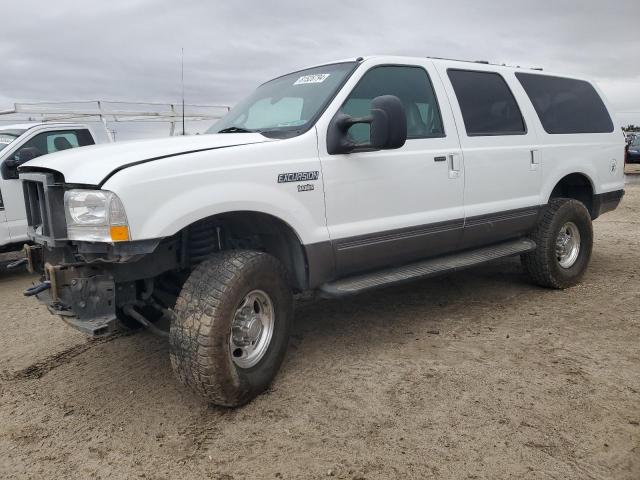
(636, 141)
(9, 135)
(287, 105)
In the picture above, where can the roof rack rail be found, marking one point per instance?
(483, 62)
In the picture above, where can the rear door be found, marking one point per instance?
(502, 166)
(390, 207)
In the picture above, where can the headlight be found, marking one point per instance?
(95, 216)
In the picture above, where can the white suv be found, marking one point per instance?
(339, 178)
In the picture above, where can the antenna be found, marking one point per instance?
(182, 81)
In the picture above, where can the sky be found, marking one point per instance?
(130, 50)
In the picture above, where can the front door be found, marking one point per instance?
(5, 237)
(390, 207)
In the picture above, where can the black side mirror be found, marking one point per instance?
(388, 127)
(10, 168)
(12, 162)
(10, 165)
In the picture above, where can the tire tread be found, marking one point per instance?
(197, 306)
(536, 263)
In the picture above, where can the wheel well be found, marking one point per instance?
(247, 230)
(578, 187)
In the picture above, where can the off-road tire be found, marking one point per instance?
(199, 335)
(542, 264)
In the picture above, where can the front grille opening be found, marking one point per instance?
(35, 203)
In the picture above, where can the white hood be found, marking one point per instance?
(92, 165)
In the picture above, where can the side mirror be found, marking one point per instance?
(388, 127)
(10, 165)
(12, 162)
(10, 168)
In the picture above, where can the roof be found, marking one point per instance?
(27, 126)
(464, 64)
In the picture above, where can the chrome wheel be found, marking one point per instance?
(568, 245)
(252, 329)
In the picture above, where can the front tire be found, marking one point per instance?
(232, 325)
(564, 239)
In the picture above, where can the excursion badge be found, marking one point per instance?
(298, 177)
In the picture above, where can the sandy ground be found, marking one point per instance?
(477, 375)
(632, 168)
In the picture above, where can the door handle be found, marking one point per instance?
(440, 159)
(535, 159)
(454, 165)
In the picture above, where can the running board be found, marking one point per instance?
(425, 268)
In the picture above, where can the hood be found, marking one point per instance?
(93, 165)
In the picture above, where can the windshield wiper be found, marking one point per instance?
(236, 130)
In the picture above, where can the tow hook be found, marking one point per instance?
(36, 289)
(17, 263)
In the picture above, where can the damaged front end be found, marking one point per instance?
(84, 296)
(95, 286)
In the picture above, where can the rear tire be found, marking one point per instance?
(229, 301)
(564, 239)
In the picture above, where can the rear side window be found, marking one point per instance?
(566, 105)
(487, 104)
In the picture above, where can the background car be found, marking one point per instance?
(633, 151)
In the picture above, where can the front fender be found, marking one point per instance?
(172, 215)
(166, 195)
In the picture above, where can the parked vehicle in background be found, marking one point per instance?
(18, 144)
(338, 179)
(633, 150)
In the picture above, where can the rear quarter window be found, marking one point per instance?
(566, 105)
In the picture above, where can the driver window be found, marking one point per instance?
(50, 142)
(411, 85)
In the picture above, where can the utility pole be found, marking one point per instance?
(182, 78)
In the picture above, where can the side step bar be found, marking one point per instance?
(425, 268)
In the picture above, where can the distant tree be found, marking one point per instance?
(631, 128)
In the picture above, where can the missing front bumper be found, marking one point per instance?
(83, 297)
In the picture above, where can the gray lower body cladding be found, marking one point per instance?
(606, 202)
(401, 246)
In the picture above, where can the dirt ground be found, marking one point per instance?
(476, 375)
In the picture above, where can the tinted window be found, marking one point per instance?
(565, 105)
(487, 104)
(411, 85)
(50, 142)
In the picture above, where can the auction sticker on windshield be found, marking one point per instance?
(317, 78)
